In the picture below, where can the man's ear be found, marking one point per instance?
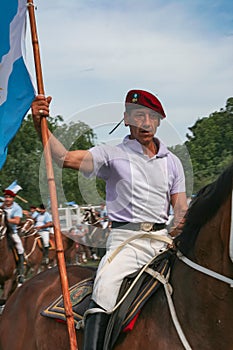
(126, 119)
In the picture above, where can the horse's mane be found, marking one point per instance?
(205, 205)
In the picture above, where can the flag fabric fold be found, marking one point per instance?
(16, 88)
(14, 187)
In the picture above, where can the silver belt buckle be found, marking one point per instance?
(146, 226)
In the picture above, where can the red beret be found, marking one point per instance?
(145, 99)
(9, 193)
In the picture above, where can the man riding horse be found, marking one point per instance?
(43, 223)
(14, 215)
(142, 179)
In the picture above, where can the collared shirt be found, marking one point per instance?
(13, 211)
(104, 214)
(138, 188)
(34, 215)
(42, 219)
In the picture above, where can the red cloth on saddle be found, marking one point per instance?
(130, 326)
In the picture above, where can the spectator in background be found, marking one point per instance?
(32, 213)
(43, 225)
(103, 215)
(104, 220)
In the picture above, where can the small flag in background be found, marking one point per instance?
(14, 187)
(16, 89)
(72, 204)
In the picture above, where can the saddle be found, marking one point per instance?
(124, 317)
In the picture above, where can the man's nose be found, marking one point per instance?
(147, 120)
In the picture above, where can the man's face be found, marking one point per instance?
(143, 123)
(8, 200)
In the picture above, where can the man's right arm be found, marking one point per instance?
(78, 159)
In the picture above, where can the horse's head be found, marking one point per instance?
(26, 226)
(86, 217)
(90, 217)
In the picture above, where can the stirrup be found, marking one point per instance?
(1, 309)
(20, 279)
(45, 261)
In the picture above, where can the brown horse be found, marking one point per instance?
(7, 259)
(69, 245)
(202, 298)
(96, 237)
(34, 248)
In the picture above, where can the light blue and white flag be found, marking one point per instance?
(72, 204)
(16, 89)
(14, 187)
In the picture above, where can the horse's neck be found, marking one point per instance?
(212, 245)
(30, 239)
(27, 226)
(5, 228)
(3, 219)
(93, 218)
(67, 242)
(5, 246)
(207, 295)
(231, 232)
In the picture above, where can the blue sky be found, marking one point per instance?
(93, 52)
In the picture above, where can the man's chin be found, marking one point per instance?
(146, 136)
(144, 140)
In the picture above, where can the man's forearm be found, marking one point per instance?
(58, 151)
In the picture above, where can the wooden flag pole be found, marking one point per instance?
(21, 198)
(52, 186)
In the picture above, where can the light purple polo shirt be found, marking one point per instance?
(138, 188)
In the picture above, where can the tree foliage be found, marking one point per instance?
(182, 153)
(210, 145)
(25, 163)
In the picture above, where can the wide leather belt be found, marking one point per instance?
(138, 226)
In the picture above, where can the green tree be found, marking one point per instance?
(210, 145)
(182, 153)
(25, 161)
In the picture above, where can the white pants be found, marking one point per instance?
(18, 243)
(45, 237)
(129, 259)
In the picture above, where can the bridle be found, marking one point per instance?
(3, 226)
(27, 226)
(89, 215)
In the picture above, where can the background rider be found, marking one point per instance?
(14, 216)
(43, 224)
